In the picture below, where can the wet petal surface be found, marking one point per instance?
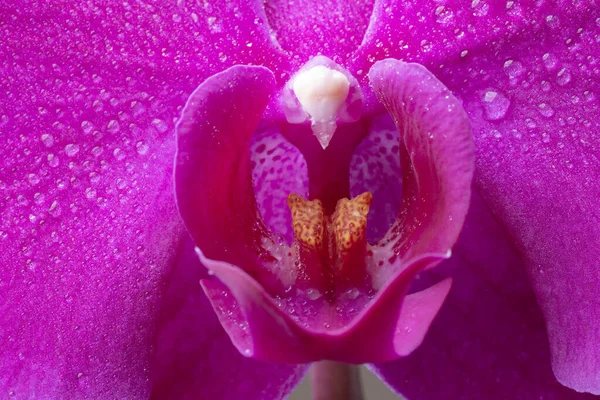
(194, 356)
(489, 339)
(526, 74)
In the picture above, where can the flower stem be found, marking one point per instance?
(332, 380)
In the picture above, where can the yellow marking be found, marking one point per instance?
(308, 220)
(350, 222)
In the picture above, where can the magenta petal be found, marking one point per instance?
(258, 328)
(213, 172)
(165, 40)
(88, 232)
(437, 161)
(306, 28)
(536, 116)
(195, 358)
(488, 341)
(433, 33)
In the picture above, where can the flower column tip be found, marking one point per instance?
(321, 92)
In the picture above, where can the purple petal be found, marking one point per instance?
(488, 340)
(278, 169)
(89, 227)
(259, 328)
(527, 75)
(213, 171)
(437, 162)
(306, 28)
(535, 114)
(195, 358)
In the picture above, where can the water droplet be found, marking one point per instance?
(47, 139)
(90, 193)
(552, 21)
(352, 293)
(52, 160)
(119, 154)
(589, 96)
(443, 15)
(545, 110)
(33, 179)
(87, 127)
(142, 148)
(313, 294)
(495, 105)
(549, 61)
(96, 151)
(71, 149)
(513, 69)
(160, 125)
(113, 126)
(563, 77)
(54, 209)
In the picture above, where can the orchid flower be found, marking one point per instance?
(200, 198)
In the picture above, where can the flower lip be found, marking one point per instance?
(261, 330)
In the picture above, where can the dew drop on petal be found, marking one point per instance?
(313, 294)
(71, 149)
(563, 77)
(495, 105)
(545, 110)
(47, 139)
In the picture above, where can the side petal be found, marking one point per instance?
(213, 172)
(437, 162)
(536, 116)
(88, 232)
(194, 357)
(488, 341)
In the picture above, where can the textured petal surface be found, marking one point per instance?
(305, 28)
(194, 356)
(375, 167)
(488, 341)
(278, 169)
(133, 37)
(437, 162)
(88, 227)
(527, 73)
(261, 329)
(213, 173)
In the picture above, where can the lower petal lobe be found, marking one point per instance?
(489, 339)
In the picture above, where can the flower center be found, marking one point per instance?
(338, 240)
